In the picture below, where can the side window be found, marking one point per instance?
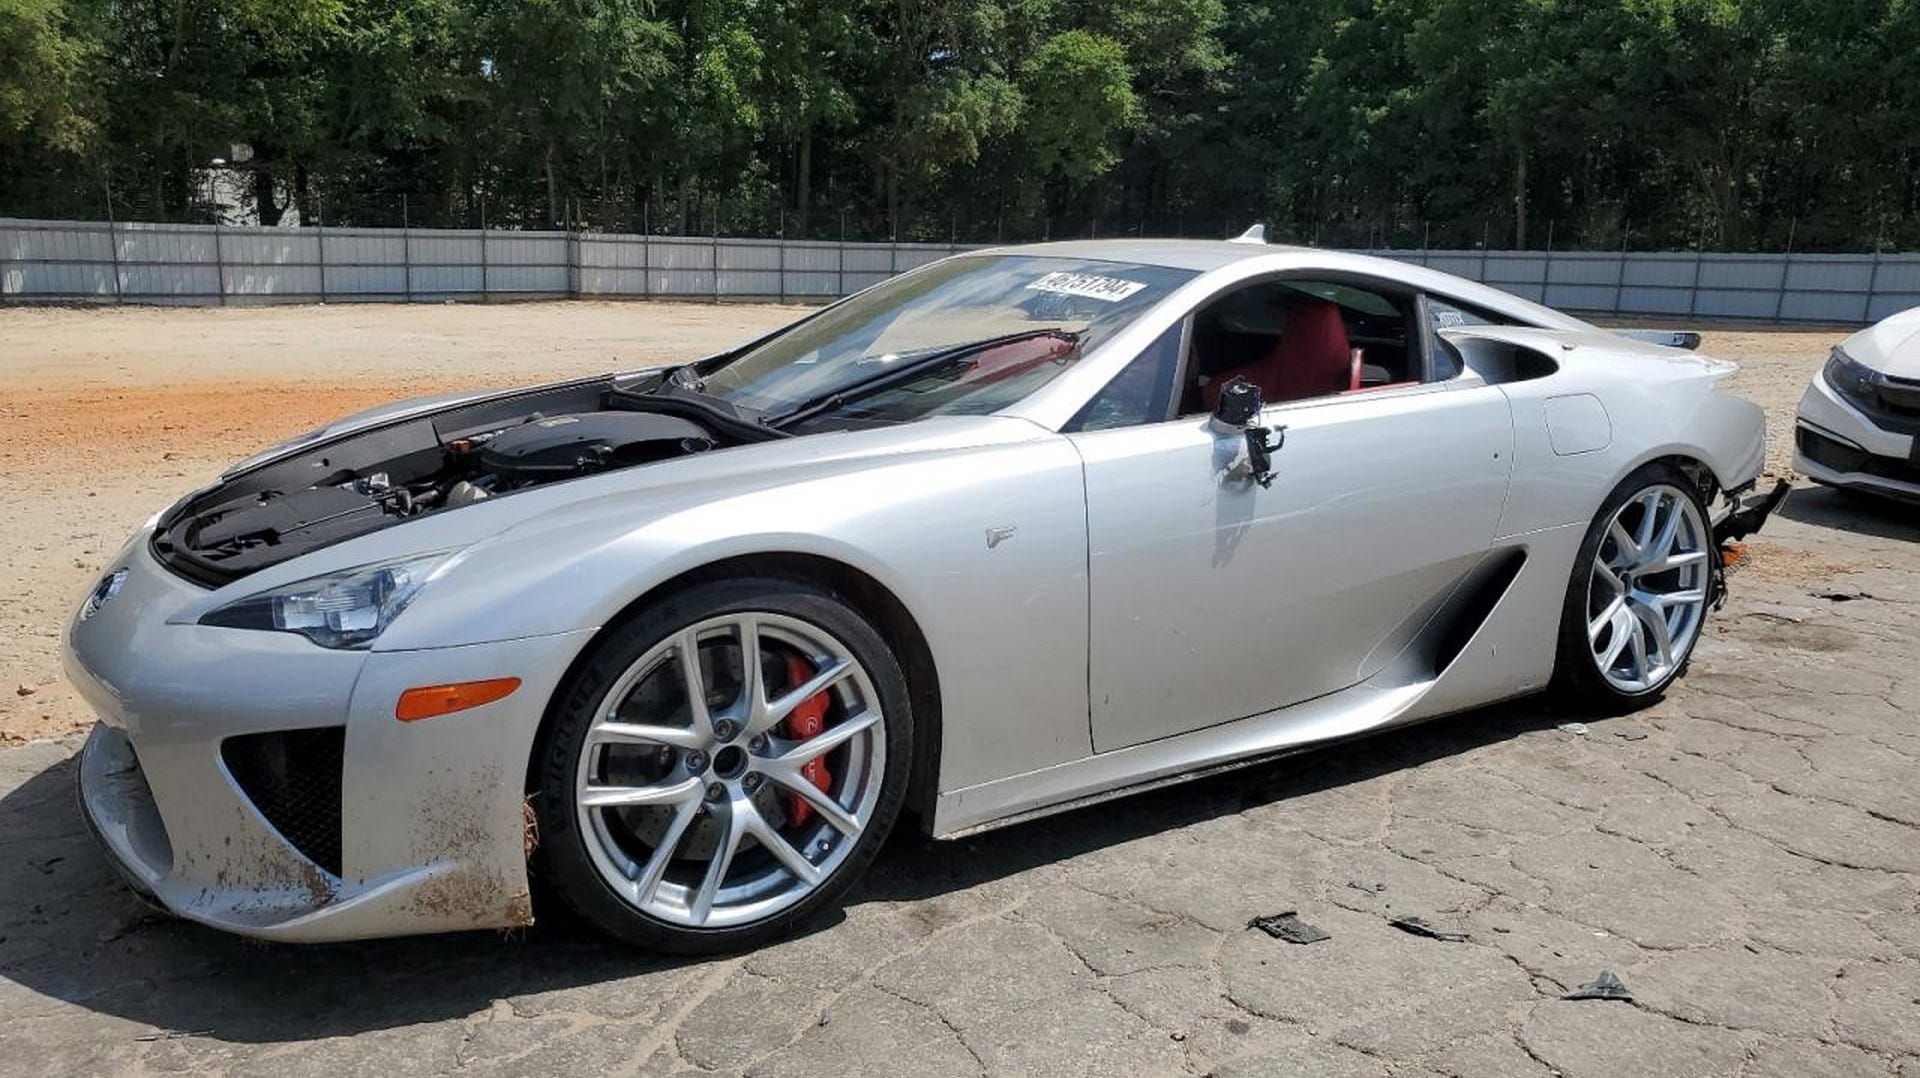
(1299, 338)
(1446, 314)
(1142, 392)
(1447, 361)
(1443, 313)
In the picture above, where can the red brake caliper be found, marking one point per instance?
(807, 720)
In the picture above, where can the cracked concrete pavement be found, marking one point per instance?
(1744, 854)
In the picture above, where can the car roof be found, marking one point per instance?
(1209, 256)
(1220, 265)
(1199, 255)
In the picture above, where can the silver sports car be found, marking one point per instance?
(1015, 531)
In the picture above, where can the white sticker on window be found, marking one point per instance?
(1105, 289)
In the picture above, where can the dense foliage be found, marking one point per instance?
(1740, 124)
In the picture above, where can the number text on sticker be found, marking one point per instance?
(1091, 286)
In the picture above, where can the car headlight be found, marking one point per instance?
(1853, 380)
(346, 609)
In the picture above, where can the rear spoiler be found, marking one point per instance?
(1670, 338)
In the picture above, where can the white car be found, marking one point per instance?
(1859, 422)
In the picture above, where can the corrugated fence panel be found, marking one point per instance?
(876, 259)
(1655, 283)
(1897, 286)
(262, 262)
(748, 268)
(171, 263)
(527, 263)
(1582, 281)
(681, 267)
(54, 259)
(161, 263)
(813, 270)
(446, 264)
(613, 252)
(365, 263)
(611, 265)
(1458, 263)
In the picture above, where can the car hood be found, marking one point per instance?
(572, 511)
(386, 413)
(1891, 346)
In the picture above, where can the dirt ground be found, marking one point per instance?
(1744, 854)
(107, 415)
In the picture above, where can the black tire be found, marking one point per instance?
(1577, 679)
(562, 856)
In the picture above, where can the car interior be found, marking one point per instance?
(1297, 339)
(1300, 339)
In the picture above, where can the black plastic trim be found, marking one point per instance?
(294, 778)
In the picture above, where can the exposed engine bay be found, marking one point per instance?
(390, 473)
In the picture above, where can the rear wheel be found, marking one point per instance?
(1638, 595)
(722, 766)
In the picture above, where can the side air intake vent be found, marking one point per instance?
(293, 778)
(1469, 607)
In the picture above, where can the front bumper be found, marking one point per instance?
(1836, 444)
(425, 818)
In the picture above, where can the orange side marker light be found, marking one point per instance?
(1732, 554)
(428, 701)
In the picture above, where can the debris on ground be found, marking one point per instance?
(1288, 926)
(1577, 728)
(1630, 735)
(23, 690)
(1840, 596)
(1604, 986)
(174, 1034)
(1419, 927)
(1368, 887)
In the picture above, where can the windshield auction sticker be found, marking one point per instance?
(1106, 289)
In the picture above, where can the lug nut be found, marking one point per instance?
(724, 730)
(715, 791)
(696, 760)
(751, 782)
(758, 744)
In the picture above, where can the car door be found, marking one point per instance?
(1213, 598)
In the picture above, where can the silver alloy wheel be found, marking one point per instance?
(686, 775)
(1647, 594)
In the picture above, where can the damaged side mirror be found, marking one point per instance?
(1236, 413)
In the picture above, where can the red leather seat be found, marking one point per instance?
(1015, 358)
(1311, 359)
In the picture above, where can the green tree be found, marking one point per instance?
(48, 52)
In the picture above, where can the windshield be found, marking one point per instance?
(955, 302)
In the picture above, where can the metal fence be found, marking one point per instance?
(93, 262)
(1848, 289)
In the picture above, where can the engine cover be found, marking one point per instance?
(567, 445)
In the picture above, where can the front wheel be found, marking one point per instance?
(1638, 594)
(722, 766)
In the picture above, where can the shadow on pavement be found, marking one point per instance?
(71, 931)
(1864, 514)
